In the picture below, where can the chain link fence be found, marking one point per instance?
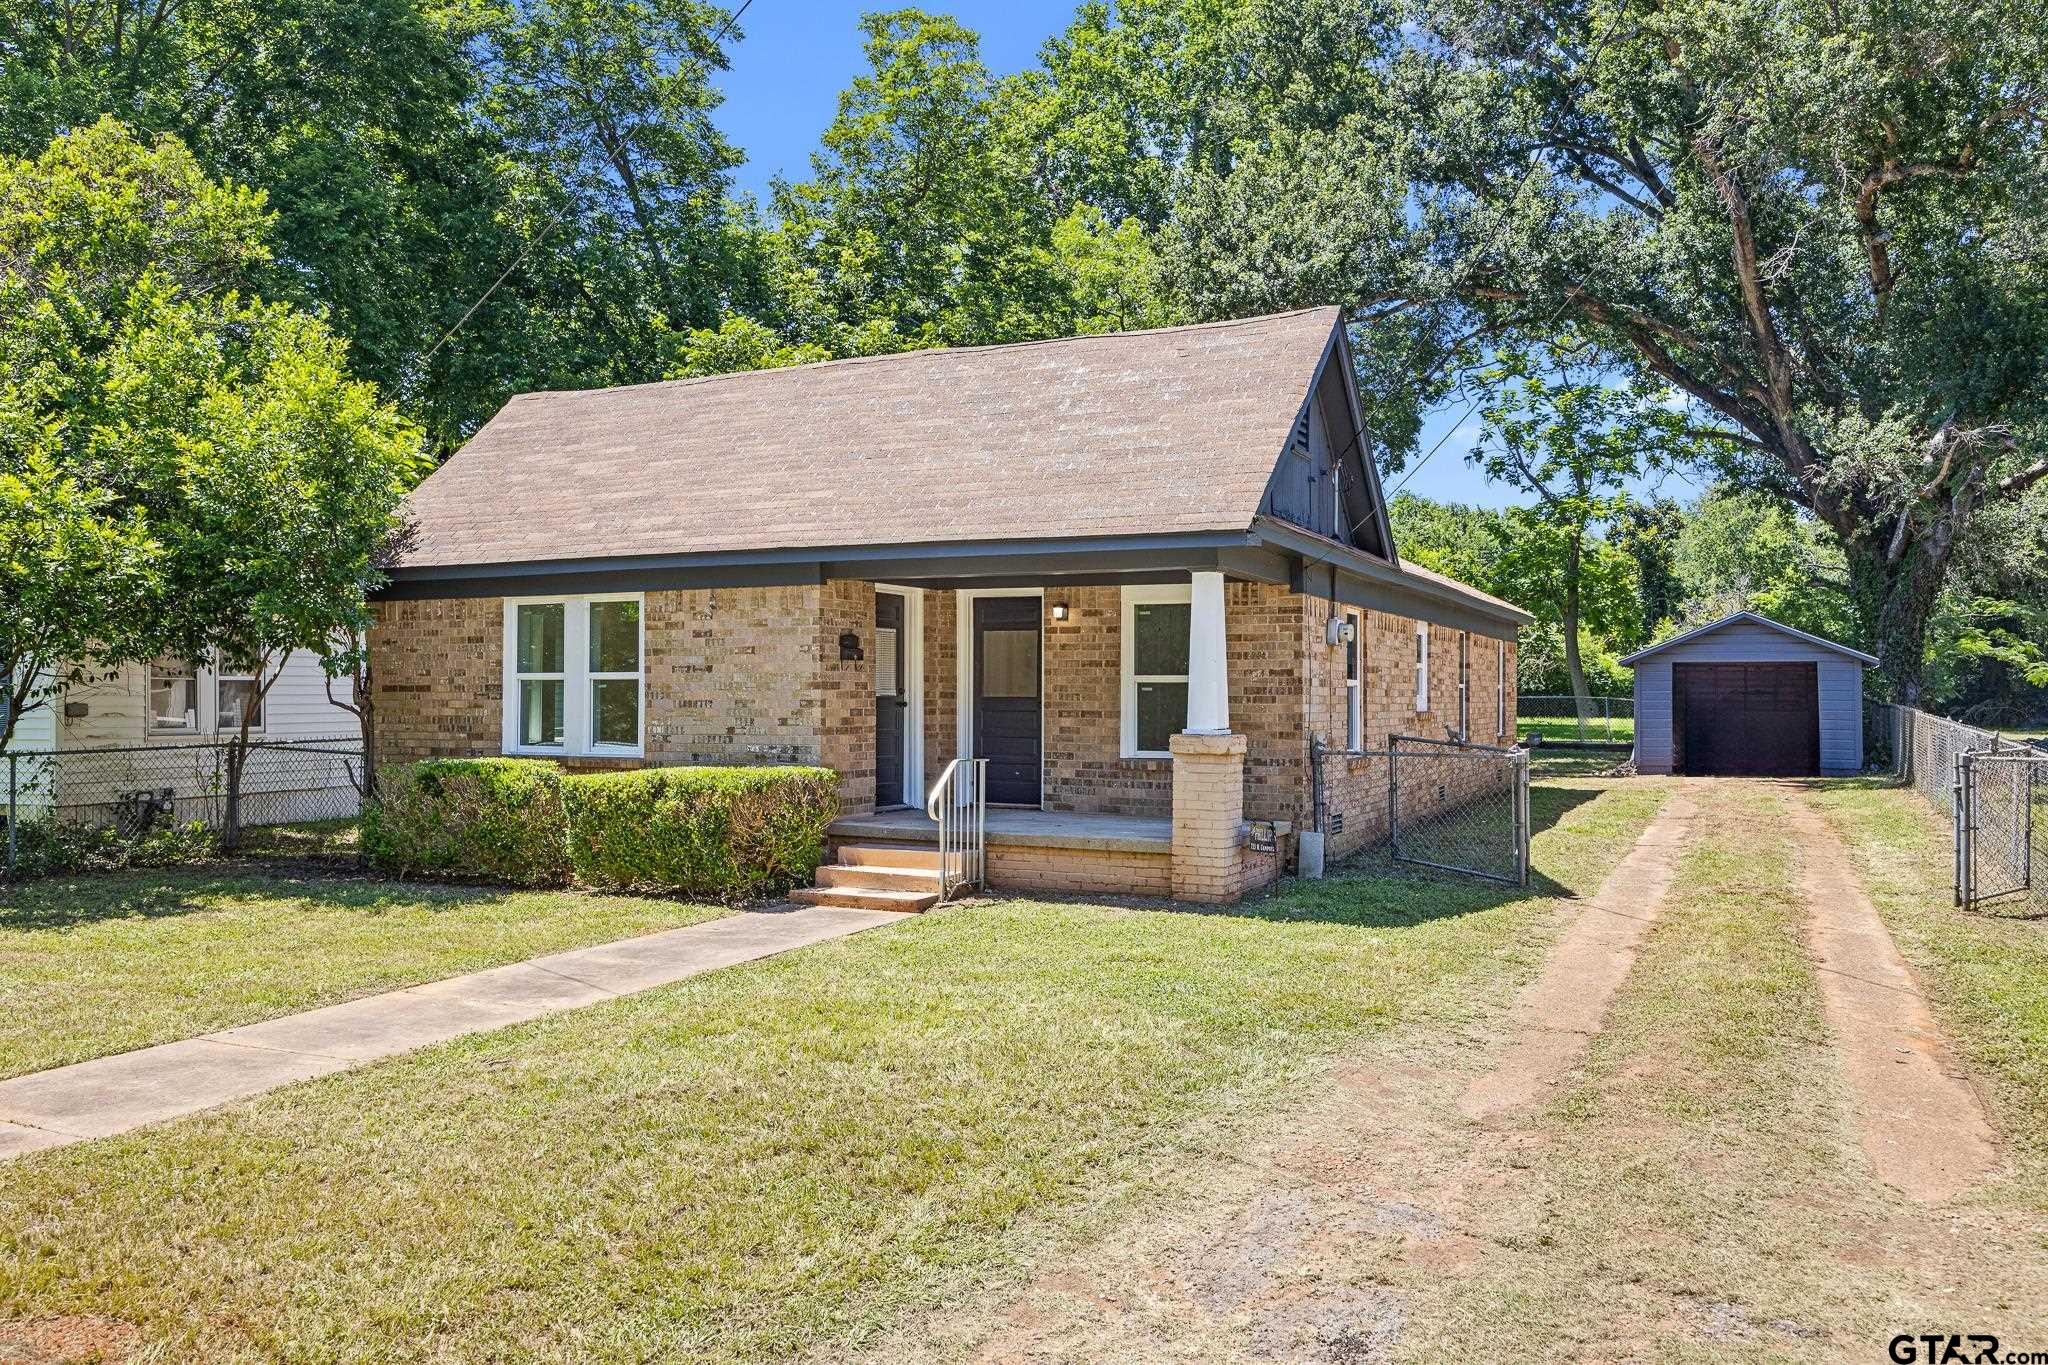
(1992, 791)
(135, 790)
(1608, 720)
(1459, 807)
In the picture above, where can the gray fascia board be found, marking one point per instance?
(972, 560)
(1363, 580)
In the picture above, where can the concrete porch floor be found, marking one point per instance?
(1024, 828)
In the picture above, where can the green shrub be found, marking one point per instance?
(726, 833)
(55, 848)
(499, 818)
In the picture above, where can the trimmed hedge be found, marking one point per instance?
(499, 818)
(728, 833)
(723, 833)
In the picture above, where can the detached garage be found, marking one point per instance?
(1748, 697)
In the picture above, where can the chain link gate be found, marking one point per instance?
(1459, 807)
(1999, 796)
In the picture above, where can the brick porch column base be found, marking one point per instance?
(1208, 810)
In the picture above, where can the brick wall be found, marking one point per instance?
(733, 676)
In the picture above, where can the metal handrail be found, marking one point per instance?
(962, 816)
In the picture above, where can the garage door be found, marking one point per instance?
(1747, 720)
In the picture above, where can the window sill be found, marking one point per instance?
(1160, 756)
(573, 753)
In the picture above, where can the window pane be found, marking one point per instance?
(173, 695)
(615, 711)
(234, 695)
(1009, 663)
(614, 638)
(541, 637)
(1162, 714)
(886, 682)
(540, 711)
(1159, 638)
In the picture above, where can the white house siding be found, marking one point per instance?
(35, 730)
(277, 786)
(1840, 679)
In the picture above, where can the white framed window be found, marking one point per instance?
(1500, 687)
(1354, 682)
(234, 691)
(1155, 667)
(1465, 684)
(575, 676)
(1421, 666)
(173, 697)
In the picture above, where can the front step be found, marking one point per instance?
(877, 877)
(866, 898)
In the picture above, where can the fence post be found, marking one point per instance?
(13, 844)
(1959, 801)
(1394, 793)
(1522, 818)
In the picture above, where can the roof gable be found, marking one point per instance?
(1324, 481)
(1749, 618)
(1167, 431)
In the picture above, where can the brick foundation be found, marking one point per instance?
(1208, 817)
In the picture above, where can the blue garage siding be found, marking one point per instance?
(1746, 641)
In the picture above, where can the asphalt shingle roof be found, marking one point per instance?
(1128, 434)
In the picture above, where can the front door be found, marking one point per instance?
(892, 702)
(1007, 713)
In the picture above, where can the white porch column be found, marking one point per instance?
(1208, 676)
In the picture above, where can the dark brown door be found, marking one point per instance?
(891, 700)
(1746, 720)
(1007, 710)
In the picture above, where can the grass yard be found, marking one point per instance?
(1619, 730)
(773, 1158)
(1987, 973)
(104, 963)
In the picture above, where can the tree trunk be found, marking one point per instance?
(1896, 602)
(231, 819)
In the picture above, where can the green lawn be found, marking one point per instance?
(777, 1157)
(1619, 730)
(1987, 972)
(105, 963)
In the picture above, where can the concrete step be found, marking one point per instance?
(879, 878)
(866, 898)
(870, 854)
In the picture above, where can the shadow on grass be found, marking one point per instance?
(59, 903)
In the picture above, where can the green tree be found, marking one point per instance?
(920, 215)
(208, 448)
(1565, 435)
(1820, 222)
(1743, 551)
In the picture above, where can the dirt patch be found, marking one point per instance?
(1560, 1010)
(1923, 1128)
(75, 1339)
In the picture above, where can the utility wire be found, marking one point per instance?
(526, 248)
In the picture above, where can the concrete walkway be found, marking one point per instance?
(111, 1095)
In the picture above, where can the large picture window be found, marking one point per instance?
(1155, 668)
(574, 678)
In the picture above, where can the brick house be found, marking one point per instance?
(1147, 576)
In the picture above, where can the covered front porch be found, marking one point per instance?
(1102, 711)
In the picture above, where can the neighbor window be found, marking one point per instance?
(233, 692)
(573, 675)
(1155, 668)
(1354, 687)
(1422, 665)
(174, 696)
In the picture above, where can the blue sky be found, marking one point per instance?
(799, 54)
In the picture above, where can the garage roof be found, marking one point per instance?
(1752, 618)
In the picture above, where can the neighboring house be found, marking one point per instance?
(1138, 573)
(1749, 696)
(155, 728)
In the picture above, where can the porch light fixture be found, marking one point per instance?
(1059, 611)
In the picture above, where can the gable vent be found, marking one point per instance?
(1299, 445)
